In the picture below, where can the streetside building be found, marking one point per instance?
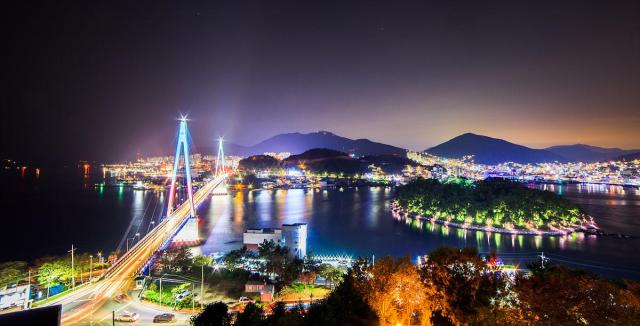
(252, 238)
(295, 238)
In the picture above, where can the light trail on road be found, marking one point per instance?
(118, 276)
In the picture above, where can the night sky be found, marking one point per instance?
(99, 81)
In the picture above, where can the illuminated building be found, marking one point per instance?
(252, 238)
(295, 238)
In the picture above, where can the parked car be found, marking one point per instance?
(165, 318)
(245, 300)
(183, 294)
(127, 317)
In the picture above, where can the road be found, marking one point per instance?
(104, 315)
(86, 304)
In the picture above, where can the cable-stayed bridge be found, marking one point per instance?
(83, 302)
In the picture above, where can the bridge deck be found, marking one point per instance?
(118, 276)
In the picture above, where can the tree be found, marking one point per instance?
(395, 292)
(307, 277)
(464, 284)
(280, 316)
(345, 305)
(235, 259)
(331, 274)
(311, 264)
(251, 316)
(490, 203)
(214, 314)
(54, 272)
(12, 271)
(562, 296)
(278, 262)
(202, 260)
(174, 259)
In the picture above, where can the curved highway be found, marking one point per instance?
(82, 303)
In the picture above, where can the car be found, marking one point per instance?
(183, 294)
(120, 298)
(126, 316)
(164, 318)
(245, 300)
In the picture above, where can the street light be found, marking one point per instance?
(90, 267)
(135, 236)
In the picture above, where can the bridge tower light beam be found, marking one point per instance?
(183, 144)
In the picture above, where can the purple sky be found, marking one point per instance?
(101, 81)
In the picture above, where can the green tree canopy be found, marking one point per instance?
(12, 271)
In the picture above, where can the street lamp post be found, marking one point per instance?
(161, 291)
(90, 267)
(73, 271)
(132, 238)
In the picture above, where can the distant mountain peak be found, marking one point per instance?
(296, 143)
(489, 150)
(588, 153)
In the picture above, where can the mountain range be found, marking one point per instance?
(296, 143)
(588, 153)
(486, 150)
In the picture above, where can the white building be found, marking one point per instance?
(295, 238)
(16, 296)
(252, 238)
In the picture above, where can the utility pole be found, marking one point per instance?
(73, 271)
(26, 303)
(193, 296)
(48, 284)
(113, 317)
(161, 290)
(201, 285)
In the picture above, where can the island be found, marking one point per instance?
(495, 205)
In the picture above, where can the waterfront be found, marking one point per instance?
(359, 222)
(67, 208)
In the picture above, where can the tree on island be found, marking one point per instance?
(489, 203)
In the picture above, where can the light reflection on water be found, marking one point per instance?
(360, 222)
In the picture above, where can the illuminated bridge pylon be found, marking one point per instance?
(183, 144)
(220, 159)
(220, 169)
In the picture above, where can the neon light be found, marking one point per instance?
(183, 144)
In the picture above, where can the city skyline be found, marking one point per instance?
(105, 81)
(320, 163)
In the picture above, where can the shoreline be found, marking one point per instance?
(400, 213)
